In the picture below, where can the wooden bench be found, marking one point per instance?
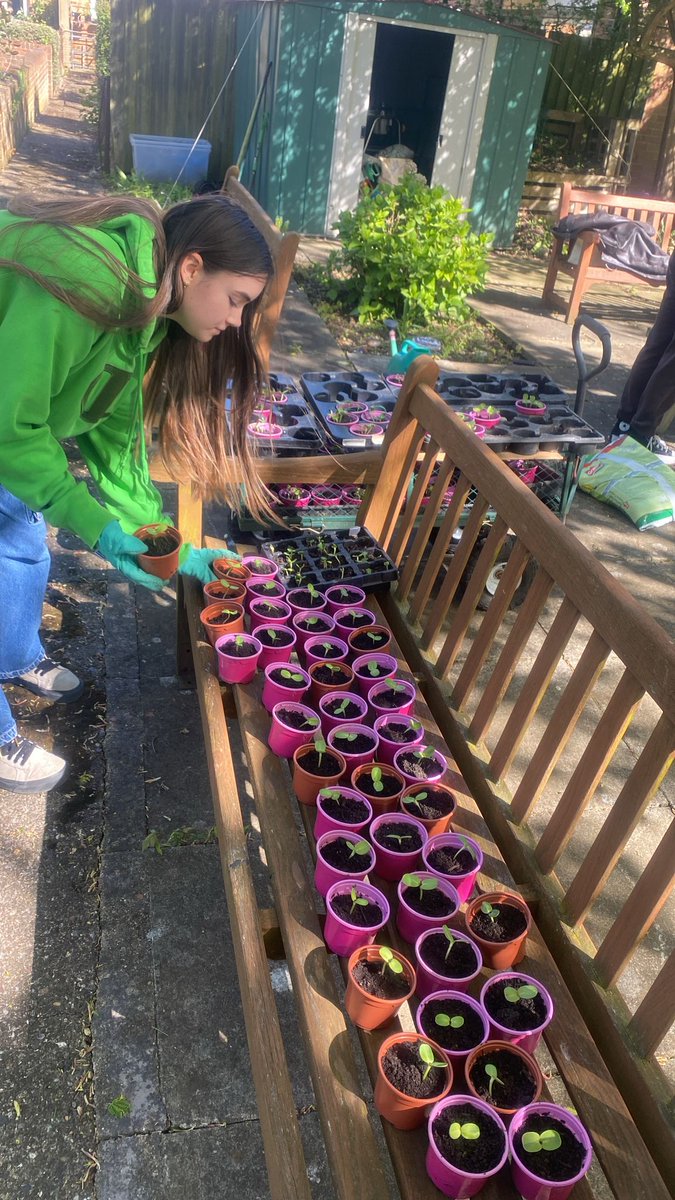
(580, 258)
(433, 638)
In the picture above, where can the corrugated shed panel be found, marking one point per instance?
(516, 89)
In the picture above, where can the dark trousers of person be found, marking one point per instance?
(650, 389)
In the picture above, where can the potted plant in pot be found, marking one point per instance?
(424, 902)
(311, 624)
(329, 677)
(519, 1008)
(327, 495)
(412, 1073)
(341, 708)
(341, 856)
(373, 668)
(283, 681)
(348, 619)
(531, 406)
(302, 599)
(454, 1020)
(343, 809)
(503, 1076)
(380, 784)
(224, 590)
(550, 1151)
(163, 543)
(445, 959)
(397, 840)
(488, 415)
(355, 913)
(432, 803)
(314, 767)
(379, 982)
(230, 568)
(264, 589)
(343, 595)
(268, 612)
(221, 618)
(367, 429)
(293, 725)
(278, 643)
(373, 639)
(260, 568)
(238, 655)
(396, 731)
(357, 744)
(295, 497)
(499, 922)
(321, 648)
(455, 857)
(420, 764)
(392, 696)
(467, 1146)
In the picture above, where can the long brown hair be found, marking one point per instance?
(187, 386)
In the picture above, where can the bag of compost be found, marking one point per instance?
(627, 475)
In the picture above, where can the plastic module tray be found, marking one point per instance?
(302, 434)
(327, 390)
(339, 556)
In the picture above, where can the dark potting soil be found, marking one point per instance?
(430, 904)
(243, 650)
(523, 1015)
(557, 1165)
(451, 862)
(282, 637)
(434, 805)
(294, 719)
(267, 590)
(461, 960)
(355, 620)
(348, 597)
(389, 698)
(340, 854)
(313, 625)
(395, 732)
(517, 1086)
(389, 832)
(363, 915)
(259, 566)
(404, 1069)
(347, 809)
(324, 765)
(349, 712)
(270, 609)
(361, 744)
(369, 641)
(390, 786)
(323, 673)
(419, 768)
(378, 982)
(509, 924)
(477, 1156)
(294, 685)
(155, 547)
(469, 1034)
(223, 617)
(330, 650)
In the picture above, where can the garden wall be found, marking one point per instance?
(25, 89)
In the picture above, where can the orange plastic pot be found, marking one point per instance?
(214, 631)
(388, 803)
(499, 956)
(230, 568)
(306, 785)
(485, 1051)
(318, 689)
(372, 1012)
(382, 648)
(163, 566)
(401, 1110)
(224, 590)
(432, 825)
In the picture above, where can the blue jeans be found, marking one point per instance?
(24, 570)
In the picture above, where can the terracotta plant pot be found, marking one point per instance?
(474, 1066)
(230, 568)
(388, 747)
(451, 844)
(326, 817)
(528, 1039)
(524, 1166)
(431, 978)
(456, 1181)
(231, 668)
(411, 923)
(224, 590)
(307, 785)
(370, 669)
(342, 681)
(163, 566)
(499, 956)
(234, 623)
(369, 1011)
(434, 825)
(450, 1002)
(342, 937)
(401, 1110)
(325, 874)
(285, 739)
(392, 862)
(381, 639)
(387, 803)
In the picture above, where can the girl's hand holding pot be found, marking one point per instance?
(121, 550)
(198, 562)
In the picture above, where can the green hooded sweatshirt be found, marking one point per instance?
(63, 376)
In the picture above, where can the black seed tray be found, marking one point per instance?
(346, 545)
(326, 390)
(301, 431)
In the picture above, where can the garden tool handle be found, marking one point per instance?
(584, 375)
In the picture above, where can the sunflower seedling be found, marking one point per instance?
(487, 909)
(390, 960)
(446, 1022)
(548, 1139)
(319, 746)
(468, 1132)
(526, 992)
(424, 885)
(427, 1056)
(360, 848)
(450, 938)
(292, 676)
(357, 901)
(491, 1072)
(376, 776)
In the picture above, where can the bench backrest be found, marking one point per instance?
(536, 706)
(658, 213)
(284, 248)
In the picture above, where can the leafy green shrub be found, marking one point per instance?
(134, 186)
(409, 253)
(20, 30)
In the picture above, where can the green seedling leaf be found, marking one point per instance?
(292, 675)
(491, 1072)
(345, 736)
(331, 794)
(489, 911)
(469, 1132)
(391, 961)
(357, 900)
(120, 1107)
(416, 725)
(428, 885)
(359, 848)
(414, 800)
(526, 992)
(341, 708)
(376, 776)
(373, 668)
(272, 634)
(548, 1139)
(450, 939)
(412, 881)
(426, 752)
(312, 722)
(446, 1022)
(427, 1055)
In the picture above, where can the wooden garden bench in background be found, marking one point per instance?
(581, 257)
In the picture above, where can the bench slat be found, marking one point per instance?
(455, 571)
(420, 542)
(440, 547)
(472, 593)
(405, 525)
(656, 1013)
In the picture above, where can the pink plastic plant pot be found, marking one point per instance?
(327, 496)
(489, 421)
(237, 670)
(276, 654)
(258, 615)
(366, 429)
(395, 382)
(457, 1057)
(325, 821)
(526, 410)
(530, 1039)
(254, 562)
(340, 937)
(437, 758)
(405, 708)
(365, 680)
(263, 589)
(298, 604)
(352, 495)
(354, 598)
(343, 631)
(464, 882)
(411, 924)
(275, 692)
(295, 497)
(283, 739)
(326, 875)
(523, 1165)
(265, 429)
(319, 623)
(390, 864)
(329, 722)
(337, 739)
(314, 652)
(429, 981)
(451, 1181)
(389, 748)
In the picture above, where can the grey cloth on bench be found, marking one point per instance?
(625, 245)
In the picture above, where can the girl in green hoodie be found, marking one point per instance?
(92, 295)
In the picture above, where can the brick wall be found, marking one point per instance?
(24, 93)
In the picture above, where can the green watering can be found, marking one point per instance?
(410, 350)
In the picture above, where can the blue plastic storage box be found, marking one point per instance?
(160, 159)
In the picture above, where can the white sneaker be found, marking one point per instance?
(26, 767)
(661, 449)
(50, 680)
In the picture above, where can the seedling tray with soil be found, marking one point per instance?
(340, 556)
(344, 398)
(287, 408)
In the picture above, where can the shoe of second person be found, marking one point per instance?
(26, 767)
(51, 681)
(661, 449)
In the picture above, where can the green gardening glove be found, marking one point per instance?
(122, 550)
(198, 562)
